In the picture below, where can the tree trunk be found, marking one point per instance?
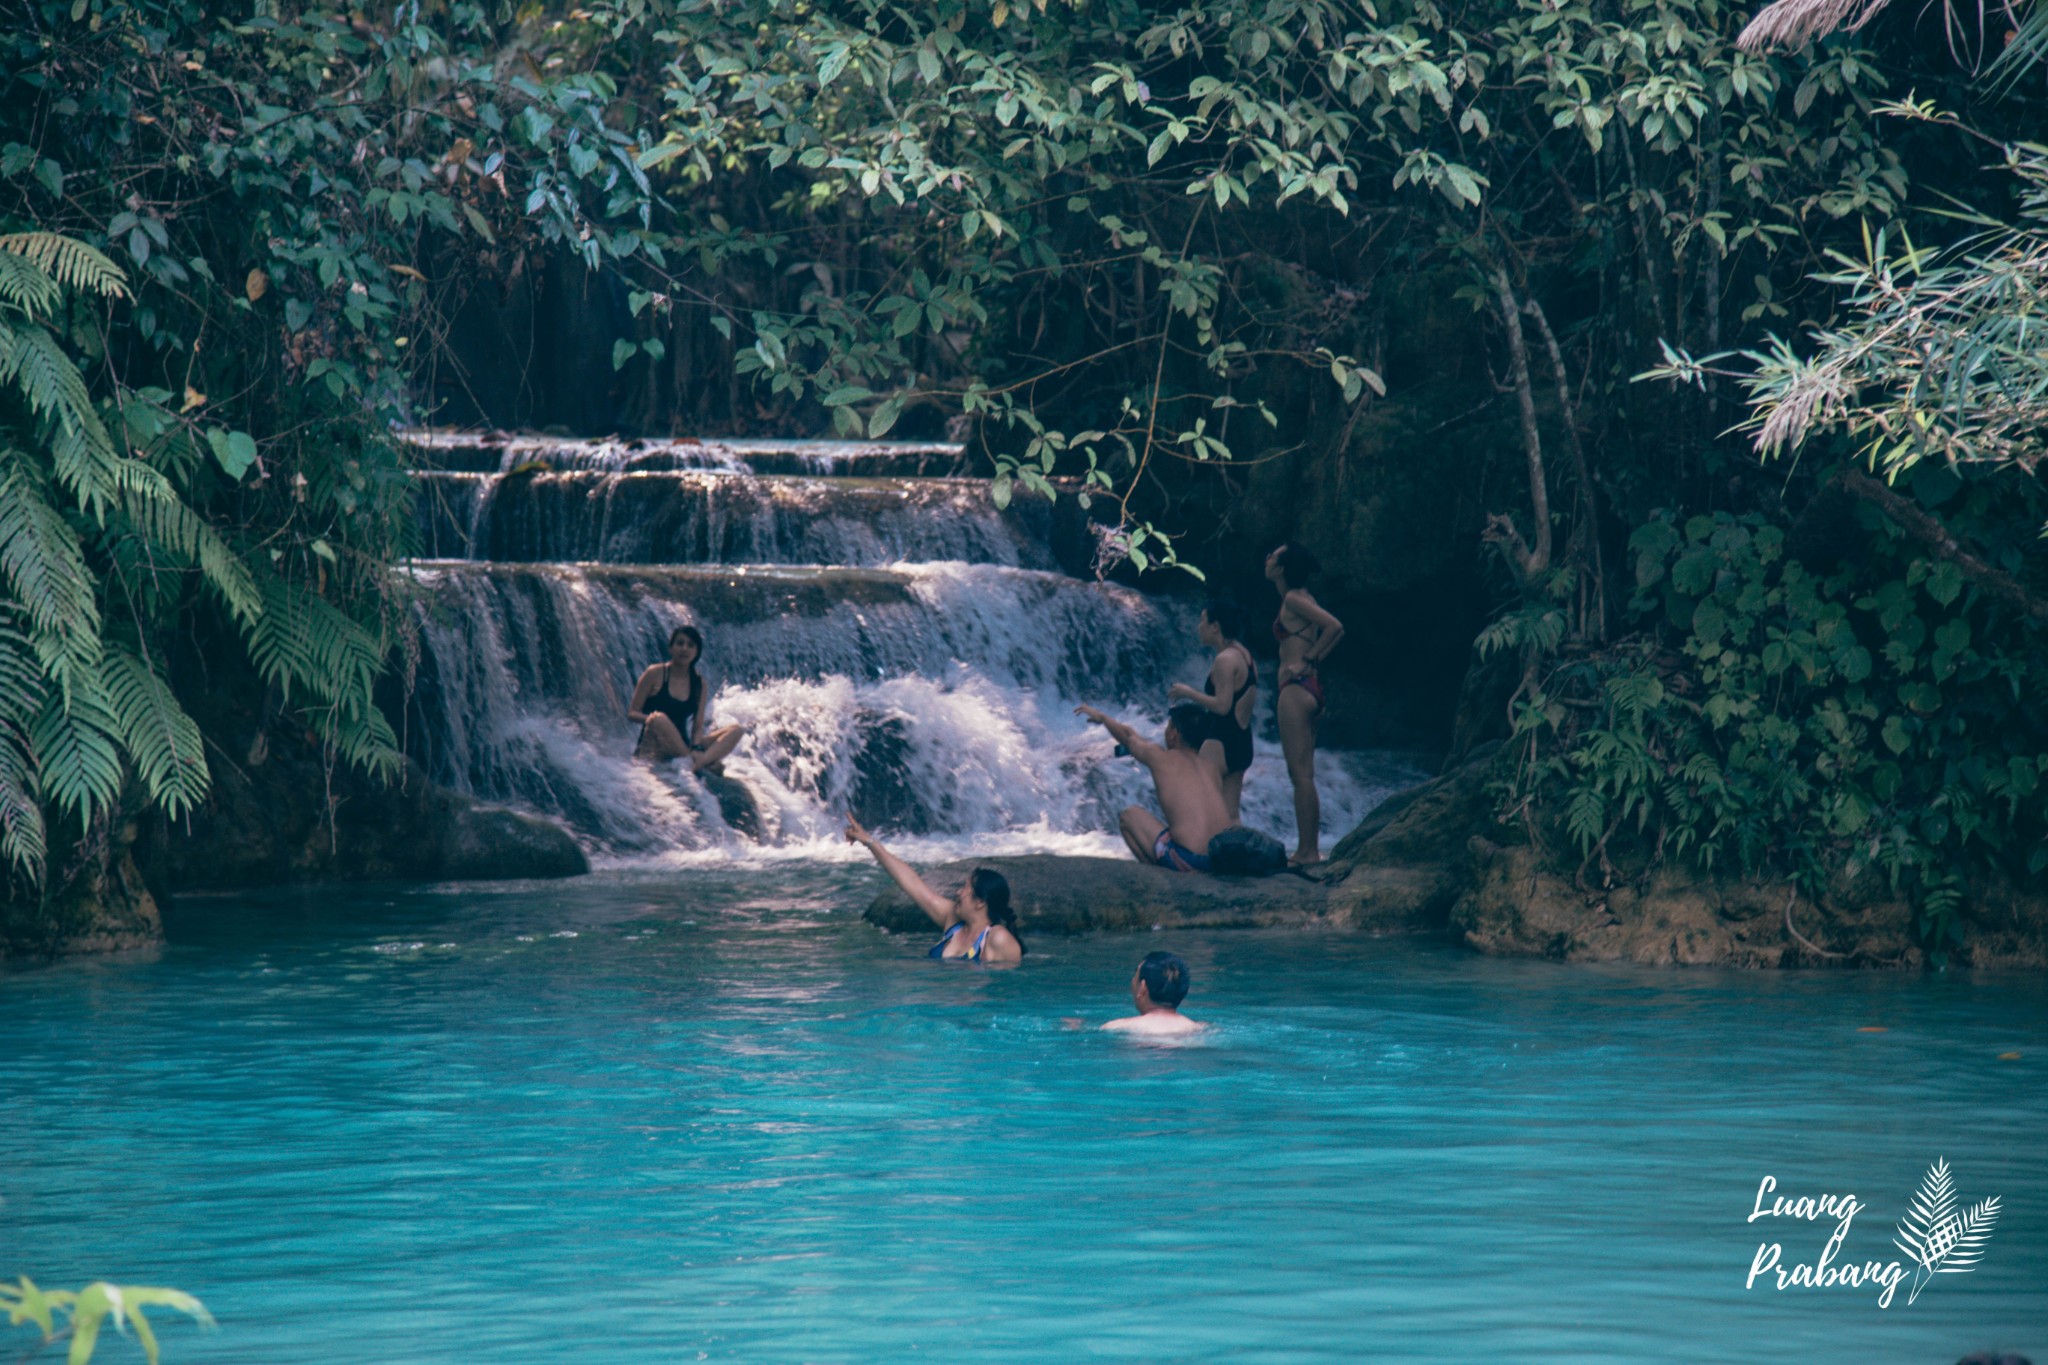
(1529, 558)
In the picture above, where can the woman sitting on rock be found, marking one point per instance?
(979, 924)
(672, 725)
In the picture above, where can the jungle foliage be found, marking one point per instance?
(205, 322)
(1127, 249)
(1870, 697)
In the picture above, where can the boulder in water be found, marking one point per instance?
(736, 805)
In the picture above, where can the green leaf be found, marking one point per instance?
(885, 418)
(1945, 582)
(623, 351)
(234, 451)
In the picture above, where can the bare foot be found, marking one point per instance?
(1305, 860)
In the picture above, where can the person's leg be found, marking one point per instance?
(660, 740)
(1233, 790)
(1140, 828)
(1297, 712)
(717, 745)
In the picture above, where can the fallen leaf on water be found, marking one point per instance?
(1872, 1028)
(2008, 1056)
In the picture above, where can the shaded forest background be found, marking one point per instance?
(1383, 279)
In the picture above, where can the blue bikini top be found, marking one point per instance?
(939, 948)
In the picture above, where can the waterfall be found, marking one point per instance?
(898, 645)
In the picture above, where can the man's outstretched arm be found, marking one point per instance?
(1142, 749)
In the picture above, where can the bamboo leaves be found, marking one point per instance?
(84, 1313)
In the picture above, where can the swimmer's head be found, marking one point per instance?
(988, 891)
(1290, 566)
(1184, 725)
(1161, 982)
(685, 646)
(1221, 622)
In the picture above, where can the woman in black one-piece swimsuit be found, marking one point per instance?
(1229, 724)
(672, 726)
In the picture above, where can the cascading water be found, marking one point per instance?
(897, 645)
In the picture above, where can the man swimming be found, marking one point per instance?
(1157, 988)
(1190, 792)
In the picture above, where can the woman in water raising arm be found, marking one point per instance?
(979, 924)
(671, 723)
(1306, 634)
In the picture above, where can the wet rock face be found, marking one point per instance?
(269, 823)
(105, 909)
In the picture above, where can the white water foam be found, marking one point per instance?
(934, 698)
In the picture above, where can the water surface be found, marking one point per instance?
(712, 1115)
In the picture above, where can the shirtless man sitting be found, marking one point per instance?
(1190, 792)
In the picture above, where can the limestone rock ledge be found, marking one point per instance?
(1434, 861)
(1064, 896)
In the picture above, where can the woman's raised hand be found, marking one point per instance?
(1182, 692)
(857, 834)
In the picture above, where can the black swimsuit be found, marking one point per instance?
(683, 713)
(1236, 739)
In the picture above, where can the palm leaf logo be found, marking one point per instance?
(1939, 1239)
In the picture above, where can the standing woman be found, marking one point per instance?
(979, 924)
(1227, 696)
(1306, 634)
(672, 722)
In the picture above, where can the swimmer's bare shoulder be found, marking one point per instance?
(1156, 1023)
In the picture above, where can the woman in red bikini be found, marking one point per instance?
(1306, 634)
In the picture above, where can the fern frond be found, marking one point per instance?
(1973, 1230)
(162, 741)
(367, 742)
(22, 683)
(81, 450)
(1585, 818)
(22, 840)
(27, 287)
(69, 261)
(77, 752)
(1931, 1206)
(43, 566)
(166, 522)
(302, 640)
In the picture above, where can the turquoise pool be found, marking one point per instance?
(728, 1121)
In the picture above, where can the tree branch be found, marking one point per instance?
(1917, 522)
